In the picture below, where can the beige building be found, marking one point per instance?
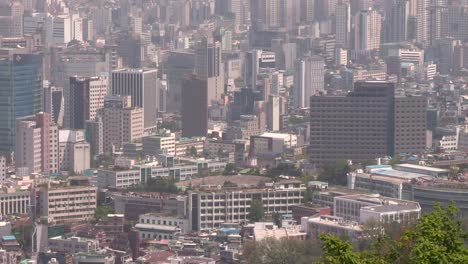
(122, 123)
(67, 203)
(71, 245)
(37, 144)
(3, 169)
(163, 144)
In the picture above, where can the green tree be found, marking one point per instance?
(335, 173)
(230, 169)
(287, 169)
(336, 251)
(101, 212)
(193, 151)
(256, 212)
(277, 219)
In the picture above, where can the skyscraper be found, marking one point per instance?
(368, 123)
(273, 113)
(309, 79)
(194, 107)
(142, 86)
(343, 24)
(20, 89)
(53, 103)
(86, 96)
(208, 58)
(368, 27)
(396, 21)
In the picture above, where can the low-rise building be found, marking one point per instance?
(118, 178)
(209, 208)
(14, 202)
(93, 257)
(184, 146)
(155, 145)
(72, 244)
(74, 151)
(327, 224)
(160, 226)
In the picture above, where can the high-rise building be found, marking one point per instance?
(455, 22)
(95, 136)
(121, 121)
(194, 107)
(21, 89)
(368, 27)
(309, 79)
(343, 24)
(208, 58)
(396, 21)
(142, 86)
(85, 97)
(273, 113)
(53, 103)
(37, 145)
(422, 21)
(3, 168)
(368, 123)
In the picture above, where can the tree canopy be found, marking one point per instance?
(257, 211)
(335, 173)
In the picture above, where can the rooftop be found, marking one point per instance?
(421, 167)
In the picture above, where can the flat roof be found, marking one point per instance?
(277, 135)
(407, 165)
(398, 174)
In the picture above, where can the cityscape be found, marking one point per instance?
(233, 131)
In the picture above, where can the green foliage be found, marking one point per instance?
(256, 212)
(277, 219)
(287, 169)
(193, 151)
(101, 212)
(158, 184)
(437, 237)
(23, 235)
(229, 184)
(230, 169)
(335, 173)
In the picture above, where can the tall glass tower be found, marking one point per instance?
(20, 92)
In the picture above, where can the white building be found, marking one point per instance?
(14, 202)
(309, 80)
(164, 144)
(314, 226)
(367, 30)
(73, 244)
(117, 178)
(157, 226)
(74, 154)
(3, 169)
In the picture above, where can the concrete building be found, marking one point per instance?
(343, 24)
(95, 136)
(67, 204)
(396, 21)
(132, 205)
(74, 151)
(374, 124)
(54, 103)
(122, 122)
(367, 30)
(3, 169)
(142, 86)
(21, 92)
(195, 107)
(72, 245)
(100, 257)
(309, 80)
(85, 97)
(160, 226)
(117, 178)
(327, 224)
(13, 202)
(37, 144)
(209, 209)
(273, 113)
(155, 145)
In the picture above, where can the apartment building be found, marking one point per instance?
(65, 204)
(74, 151)
(208, 209)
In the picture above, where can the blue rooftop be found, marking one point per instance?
(8, 238)
(378, 166)
(399, 174)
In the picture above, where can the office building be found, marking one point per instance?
(273, 113)
(317, 225)
(74, 151)
(208, 58)
(194, 107)
(155, 145)
(37, 144)
(85, 97)
(118, 178)
(121, 122)
(309, 80)
(99, 257)
(95, 136)
(208, 209)
(21, 91)
(67, 204)
(142, 86)
(373, 123)
(3, 168)
(179, 63)
(54, 103)
(343, 24)
(160, 226)
(396, 21)
(368, 28)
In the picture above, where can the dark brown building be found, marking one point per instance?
(194, 107)
(368, 123)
